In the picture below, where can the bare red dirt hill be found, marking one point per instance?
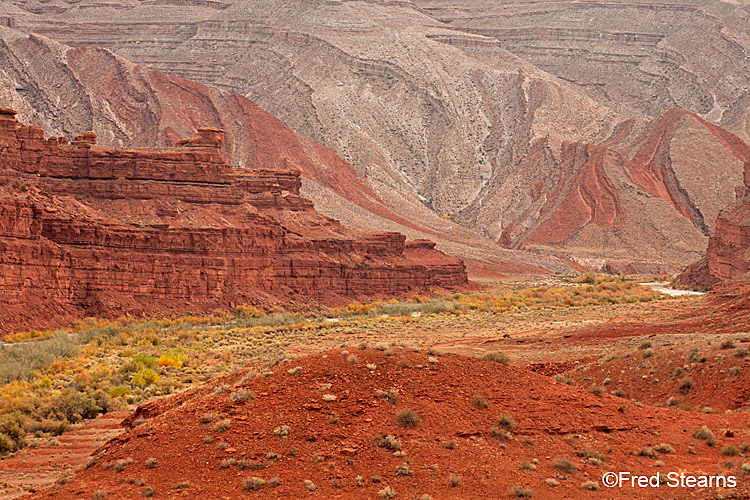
(88, 230)
(318, 426)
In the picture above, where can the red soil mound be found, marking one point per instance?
(688, 375)
(207, 443)
(87, 230)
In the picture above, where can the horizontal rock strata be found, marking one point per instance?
(88, 230)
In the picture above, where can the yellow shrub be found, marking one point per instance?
(145, 377)
(247, 310)
(355, 308)
(26, 336)
(15, 389)
(59, 366)
(172, 359)
(44, 383)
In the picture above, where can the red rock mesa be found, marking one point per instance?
(88, 230)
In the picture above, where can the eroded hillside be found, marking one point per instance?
(451, 110)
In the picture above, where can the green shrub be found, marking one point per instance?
(566, 465)
(119, 391)
(253, 483)
(730, 451)
(123, 464)
(47, 425)
(526, 465)
(223, 425)
(521, 492)
(242, 395)
(389, 442)
(391, 396)
(705, 434)
(145, 360)
(75, 406)
(404, 470)
(685, 386)
(479, 402)
(597, 390)
(500, 434)
(19, 361)
(506, 421)
(11, 434)
(387, 492)
(590, 485)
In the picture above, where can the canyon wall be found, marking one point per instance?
(728, 252)
(443, 110)
(641, 57)
(89, 230)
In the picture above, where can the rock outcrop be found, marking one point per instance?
(444, 110)
(728, 253)
(90, 230)
(598, 204)
(127, 104)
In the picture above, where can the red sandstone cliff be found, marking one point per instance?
(728, 252)
(88, 230)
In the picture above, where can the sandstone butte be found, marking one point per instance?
(728, 253)
(93, 231)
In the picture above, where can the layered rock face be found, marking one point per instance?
(641, 57)
(89, 230)
(446, 110)
(654, 194)
(728, 252)
(124, 103)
